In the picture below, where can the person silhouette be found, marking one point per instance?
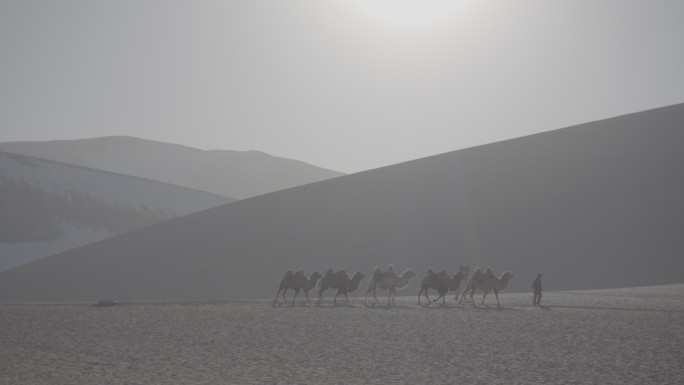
(537, 287)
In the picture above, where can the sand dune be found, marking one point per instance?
(236, 174)
(597, 205)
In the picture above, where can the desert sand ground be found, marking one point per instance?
(617, 336)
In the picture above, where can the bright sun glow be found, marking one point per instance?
(412, 13)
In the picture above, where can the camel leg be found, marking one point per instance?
(389, 296)
(439, 295)
(306, 293)
(424, 291)
(320, 296)
(295, 296)
(284, 299)
(335, 300)
(375, 289)
(443, 298)
(496, 293)
(370, 288)
(345, 296)
(275, 301)
(465, 292)
(472, 293)
(484, 296)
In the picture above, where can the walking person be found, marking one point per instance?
(537, 287)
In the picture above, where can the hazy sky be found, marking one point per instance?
(348, 85)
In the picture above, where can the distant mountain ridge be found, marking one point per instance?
(596, 205)
(236, 174)
(49, 207)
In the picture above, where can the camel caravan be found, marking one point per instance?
(389, 280)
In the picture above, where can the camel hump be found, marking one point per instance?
(377, 275)
(341, 274)
(388, 274)
(478, 275)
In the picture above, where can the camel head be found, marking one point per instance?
(458, 277)
(504, 280)
(455, 281)
(355, 281)
(408, 274)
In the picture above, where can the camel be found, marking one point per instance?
(487, 281)
(286, 283)
(339, 281)
(440, 282)
(297, 281)
(388, 280)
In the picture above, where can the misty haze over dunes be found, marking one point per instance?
(49, 207)
(590, 206)
(236, 174)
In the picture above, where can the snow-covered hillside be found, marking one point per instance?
(48, 207)
(237, 174)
